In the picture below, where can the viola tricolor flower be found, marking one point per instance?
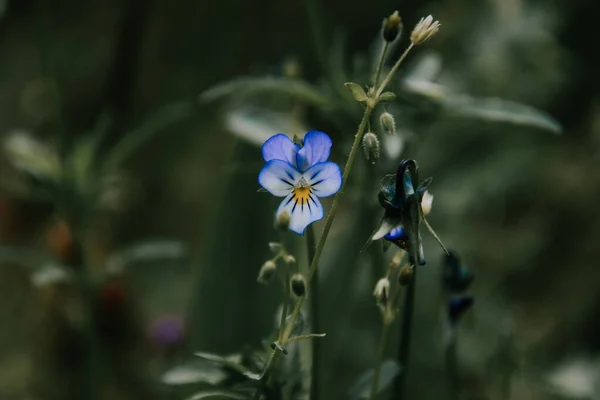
(300, 175)
(405, 208)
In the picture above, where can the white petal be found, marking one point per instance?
(324, 178)
(386, 227)
(303, 211)
(426, 202)
(278, 177)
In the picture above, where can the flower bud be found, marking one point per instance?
(406, 275)
(282, 221)
(388, 123)
(392, 26)
(426, 203)
(371, 146)
(267, 271)
(424, 30)
(275, 247)
(298, 285)
(289, 259)
(382, 290)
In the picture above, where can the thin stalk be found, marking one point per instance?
(314, 307)
(380, 355)
(392, 72)
(381, 62)
(452, 369)
(286, 301)
(406, 330)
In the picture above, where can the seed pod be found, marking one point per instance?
(388, 123)
(371, 146)
(282, 221)
(298, 285)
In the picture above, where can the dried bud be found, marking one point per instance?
(371, 146)
(392, 26)
(282, 221)
(388, 123)
(424, 30)
(275, 247)
(406, 275)
(267, 271)
(426, 202)
(298, 285)
(382, 290)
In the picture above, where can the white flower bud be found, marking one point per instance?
(267, 271)
(424, 30)
(275, 247)
(371, 146)
(388, 123)
(382, 290)
(426, 202)
(289, 259)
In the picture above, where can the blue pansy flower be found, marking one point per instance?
(300, 175)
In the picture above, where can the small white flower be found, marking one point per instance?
(424, 30)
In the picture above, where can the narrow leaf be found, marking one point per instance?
(217, 394)
(361, 389)
(387, 96)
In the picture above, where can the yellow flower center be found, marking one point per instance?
(301, 194)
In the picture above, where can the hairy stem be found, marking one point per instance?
(381, 62)
(380, 355)
(392, 72)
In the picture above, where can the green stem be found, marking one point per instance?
(314, 307)
(381, 61)
(452, 369)
(406, 330)
(380, 355)
(286, 301)
(392, 72)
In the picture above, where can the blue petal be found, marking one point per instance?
(280, 147)
(324, 178)
(278, 177)
(408, 185)
(303, 212)
(316, 149)
(397, 233)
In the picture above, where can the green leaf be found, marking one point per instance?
(230, 362)
(357, 91)
(218, 394)
(499, 111)
(188, 374)
(146, 251)
(286, 87)
(387, 96)
(153, 125)
(362, 388)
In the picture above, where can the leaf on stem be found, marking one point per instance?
(361, 389)
(357, 91)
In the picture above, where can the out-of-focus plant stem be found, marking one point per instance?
(314, 308)
(383, 339)
(452, 368)
(406, 330)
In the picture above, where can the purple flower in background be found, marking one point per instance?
(167, 331)
(300, 175)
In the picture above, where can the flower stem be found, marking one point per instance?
(314, 308)
(286, 301)
(452, 369)
(406, 329)
(392, 72)
(381, 61)
(380, 355)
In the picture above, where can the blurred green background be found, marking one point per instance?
(513, 198)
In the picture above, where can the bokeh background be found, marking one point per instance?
(512, 196)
